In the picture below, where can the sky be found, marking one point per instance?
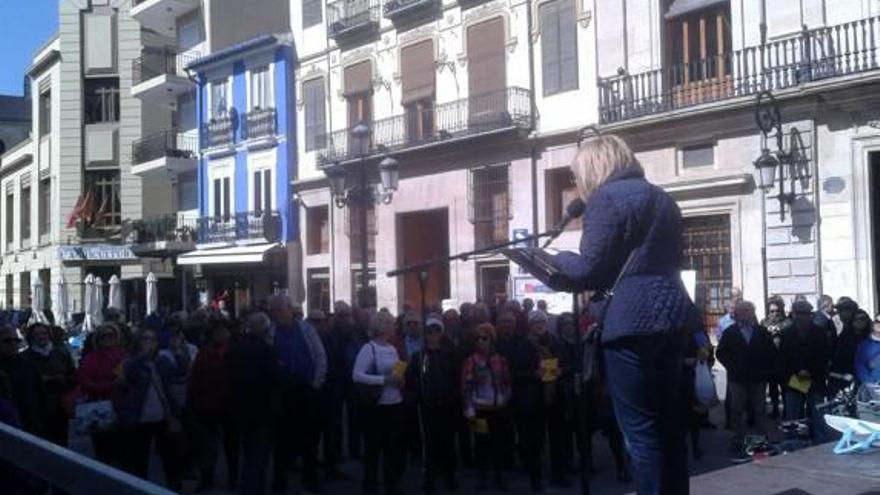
(24, 27)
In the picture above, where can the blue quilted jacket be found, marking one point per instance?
(628, 213)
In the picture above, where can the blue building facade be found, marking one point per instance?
(247, 228)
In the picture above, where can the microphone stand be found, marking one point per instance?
(421, 269)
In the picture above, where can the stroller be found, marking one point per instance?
(855, 413)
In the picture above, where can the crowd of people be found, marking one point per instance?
(799, 356)
(275, 386)
(489, 388)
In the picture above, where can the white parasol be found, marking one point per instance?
(152, 294)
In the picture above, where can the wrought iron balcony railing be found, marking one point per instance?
(498, 110)
(155, 63)
(165, 228)
(164, 144)
(259, 123)
(348, 17)
(253, 225)
(396, 9)
(813, 55)
(218, 132)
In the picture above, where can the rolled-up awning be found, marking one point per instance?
(230, 255)
(682, 7)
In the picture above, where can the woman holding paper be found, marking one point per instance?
(377, 364)
(632, 230)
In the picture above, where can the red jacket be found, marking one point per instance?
(209, 381)
(99, 372)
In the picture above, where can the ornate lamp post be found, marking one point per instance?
(773, 163)
(359, 192)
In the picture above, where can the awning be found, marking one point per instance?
(238, 254)
(682, 7)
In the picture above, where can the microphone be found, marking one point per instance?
(574, 209)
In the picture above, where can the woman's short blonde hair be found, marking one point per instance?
(597, 158)
(379, 319)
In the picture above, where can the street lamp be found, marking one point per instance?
(773, 162)
(360, 193)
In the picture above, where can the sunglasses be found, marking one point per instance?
(586, 133)
(483, 338)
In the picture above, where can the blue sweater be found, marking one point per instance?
(628, 213)
(868, 361)
(296, 361)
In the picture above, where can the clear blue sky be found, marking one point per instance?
(24, 27)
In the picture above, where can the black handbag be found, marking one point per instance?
(366, 394)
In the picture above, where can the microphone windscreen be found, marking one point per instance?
(575, 208)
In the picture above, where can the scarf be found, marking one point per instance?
(43, 350)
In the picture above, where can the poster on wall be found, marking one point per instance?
(529, 287)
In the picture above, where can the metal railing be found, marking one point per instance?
(239, 226)
(259, 123)
(813, 55)
(169, 143)
(166, 228)
(155, 63)
(218, 132)
(507, 108)
(349, 16)
(73, 473)
(399, 8)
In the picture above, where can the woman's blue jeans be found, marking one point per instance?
(645, 380)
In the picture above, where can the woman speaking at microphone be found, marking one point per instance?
(632, 231)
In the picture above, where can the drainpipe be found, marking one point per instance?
(533, 127)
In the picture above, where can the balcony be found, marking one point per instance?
(396, 10)
(161, 15)
(164, 235)
(259, 124)
(262, 226)
(349, 18)
(168, 150)
(158, 76)
(218, 133)
(814, 55)
(489, 113)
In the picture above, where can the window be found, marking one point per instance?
(558, 47)
(261, 89)
(355, 234)
(24, 290)
(560, 191)
(262, 186)
(318, 289)
(311, 13)
(707, 252)
(9, 292)
(222, 198)
(188, 190)
(314, 99)
(45, 208)
(698, 156)
(10, 220)
(486, 58)
(105, 185)
(359, 93)
(102, 101)
(489, 205)
(318, 230)
(700, 43)
(219, 98)
(25, 212)
(417, 78)
(45, 116)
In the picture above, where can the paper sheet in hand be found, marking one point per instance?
(802, 385)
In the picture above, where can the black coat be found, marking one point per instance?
(807, 351)
(747, 362)
(844, 360)
(28, 394)
(254, 378)
(442, 383)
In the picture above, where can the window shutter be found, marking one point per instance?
(417, 71)
(358, 78)
(267, 188)
(567, 28)
(313, 96)
(486, 59)
(550, 47)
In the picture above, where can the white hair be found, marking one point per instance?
(597, 158)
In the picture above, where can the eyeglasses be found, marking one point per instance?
(483, 338)
(586, 133)
(147, 338)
